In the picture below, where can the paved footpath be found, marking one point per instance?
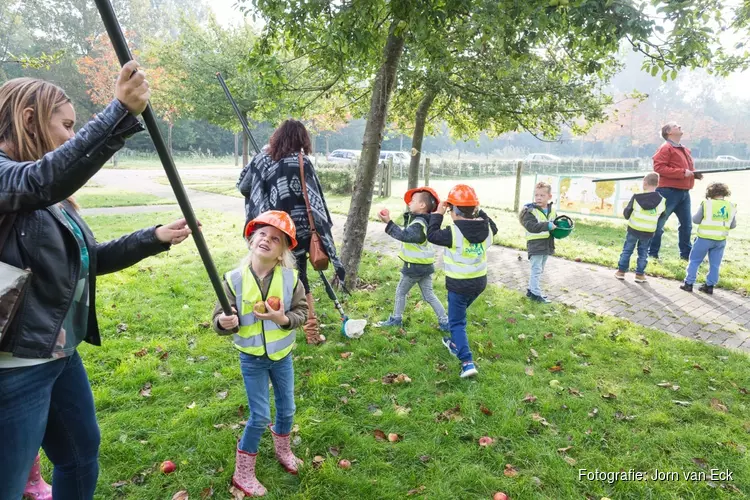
(722, 319)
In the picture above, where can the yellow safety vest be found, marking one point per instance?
(463, 259)
(541, 218)
(646, 220)
(417, 253)
(257, 337)
(717, 217)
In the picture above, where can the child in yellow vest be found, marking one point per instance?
(537, 218)
(466, 243)
(271, 304)
(417, 254)
(642, 212)
(715, 217)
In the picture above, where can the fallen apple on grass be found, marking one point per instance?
(345, 464)
(167, 467)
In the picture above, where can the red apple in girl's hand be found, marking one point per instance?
(168, 467)
(274, 303)
(384, 212)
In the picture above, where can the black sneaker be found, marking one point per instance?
(709, 289)
(539, 298)
(686, 287)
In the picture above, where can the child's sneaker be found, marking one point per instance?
(620, 275)
(391, 321)
(445, 326)
(686, 287)
(640, 278)
(468, 369)
(709, 289)
(447, 342)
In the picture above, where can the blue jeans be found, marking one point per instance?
(678, 202)
(631, 241)
(256, 370)
(537, 268)
(458, 303)
(715, 251)
(49, 405)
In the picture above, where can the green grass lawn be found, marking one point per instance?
(99, 197)
(604, 412)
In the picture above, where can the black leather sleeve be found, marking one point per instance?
(28, 186)
(127, 250)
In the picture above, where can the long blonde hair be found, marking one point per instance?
(287, 257)
(29, 142)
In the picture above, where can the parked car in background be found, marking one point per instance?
(399, 157)
(541, 158)
(346, 156)
(727, 158)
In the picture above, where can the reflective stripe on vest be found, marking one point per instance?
(418, 253)
(257, 337)
(541, 218)
(465, 260)
(645, 220)
(717, 217)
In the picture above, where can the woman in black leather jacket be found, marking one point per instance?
(45, 397)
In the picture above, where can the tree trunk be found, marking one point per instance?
(245, 148)
(355, 228)
(169, 137)
(416, 139)
(237, 149)
(328, 137)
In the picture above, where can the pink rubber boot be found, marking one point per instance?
(36, 487)
(244, 475)
(284, 452)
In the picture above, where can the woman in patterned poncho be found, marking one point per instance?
(272, 182)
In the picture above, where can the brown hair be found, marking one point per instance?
(30, 142)
(289, 139)
(651, 179)
(543, 185)
(717, 189)
(428, 200)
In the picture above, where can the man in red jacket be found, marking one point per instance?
(674, 165)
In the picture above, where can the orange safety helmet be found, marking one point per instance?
(278, 219)
(463, 195)
(410, 193)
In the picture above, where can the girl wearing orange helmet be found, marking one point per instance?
(270, 305)
(465, 263)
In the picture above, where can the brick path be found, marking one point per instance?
(722, 319)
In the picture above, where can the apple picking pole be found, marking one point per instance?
(641, 176)
(123, 54)
(238, 112)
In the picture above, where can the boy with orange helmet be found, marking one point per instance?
(416, 252)
(465, 263)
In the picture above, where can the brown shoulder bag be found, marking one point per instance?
(317, 254)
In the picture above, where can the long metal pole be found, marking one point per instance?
(238, 112)
(708, 171)
(123, 54)
(329, 288)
